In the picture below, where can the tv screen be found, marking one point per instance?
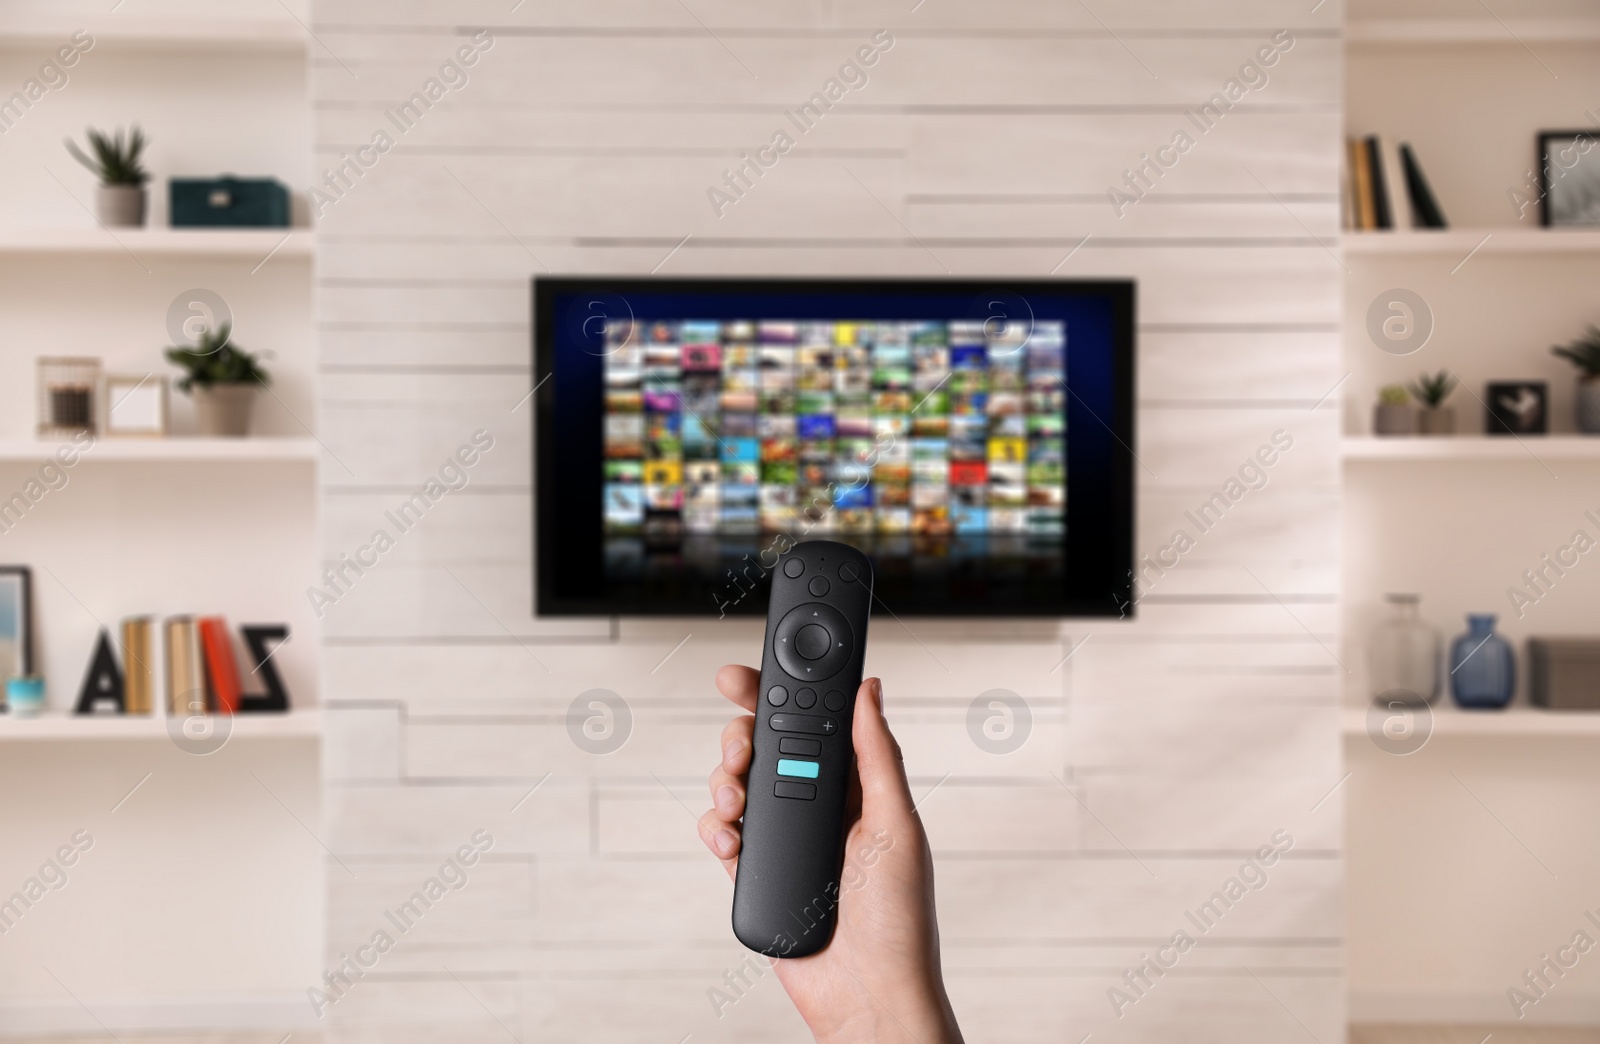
(973, 438)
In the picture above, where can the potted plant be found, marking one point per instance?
(221, 378)
(1393, 414)
(1431, 390)
(122, 177)
(1584, 353)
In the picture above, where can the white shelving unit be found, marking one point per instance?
(165, 526)
(1469, 94)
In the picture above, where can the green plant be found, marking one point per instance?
(212, 360)
(1393, 395)
(1432, 389)
(116, 160)
(1584, 353)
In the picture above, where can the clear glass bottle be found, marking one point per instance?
(1403, 655)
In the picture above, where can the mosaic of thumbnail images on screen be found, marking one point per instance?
(877, 427)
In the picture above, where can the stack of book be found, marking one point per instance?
(1384, 187)
(202, 674)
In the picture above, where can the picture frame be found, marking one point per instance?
(1569, 179)
(1517, 408)
(135, 406)
(16, 622)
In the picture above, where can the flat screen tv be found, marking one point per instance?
(972, 437)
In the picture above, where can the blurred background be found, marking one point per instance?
(1369, 241)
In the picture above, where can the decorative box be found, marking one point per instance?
(1564, 673)
(228, 202)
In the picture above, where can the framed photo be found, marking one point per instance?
(16, 622)
(134, 405)
(1517, 407)
(1569, 179)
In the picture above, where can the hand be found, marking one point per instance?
(879, 978)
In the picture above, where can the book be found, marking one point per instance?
(138, 665)
(186, 685)
(222, 670)
(1362, 172)
(1425, 206)
(1381, 214)
(1396, 195)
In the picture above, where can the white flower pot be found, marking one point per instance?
(224, 409)
(121, 206)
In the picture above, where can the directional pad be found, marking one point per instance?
(813, 642)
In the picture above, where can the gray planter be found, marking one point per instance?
(1588, 405)
(1439, 421)
(224, 409)
(121, 206)
(1393, 420)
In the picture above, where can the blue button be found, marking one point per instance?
(805, 769)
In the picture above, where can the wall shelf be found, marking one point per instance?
(1516, 720)
(276, 36)
(297, 724)
(1469, 448)
(1461, 242)
(169, 450)
(254, 244)
(1460, 31)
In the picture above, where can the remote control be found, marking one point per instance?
(786, 893)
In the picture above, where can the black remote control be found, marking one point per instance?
(786, 894)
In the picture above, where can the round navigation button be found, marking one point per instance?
(807, 660)
(793, 568)
(777, 695)
(818, 586)
(849, 572)
(834, 700)
(813, 641)
(805, 699)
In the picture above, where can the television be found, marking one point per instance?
(972, 437)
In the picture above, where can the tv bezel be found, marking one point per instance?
(1120, 293)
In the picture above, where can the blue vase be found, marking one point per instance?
(1483, 667)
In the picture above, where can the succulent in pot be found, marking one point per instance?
(1393, 415)
(222, 378)
(1584, 355)
(1431, 390)
(116, 162)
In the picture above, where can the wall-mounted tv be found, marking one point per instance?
(974, 438)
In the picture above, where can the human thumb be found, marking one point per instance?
(884, 788)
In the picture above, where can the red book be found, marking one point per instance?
(221, 667)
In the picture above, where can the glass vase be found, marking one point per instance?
(1483, 667)
(1403, 655)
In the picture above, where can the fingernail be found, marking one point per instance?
(731, 751)
(877, 691)
(725, 842)
(727, 800)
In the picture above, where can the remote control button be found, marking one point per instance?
(800, 791)
(793, 568)
(777, 695)
(834, 700)
(818, 586)
(830, 622)
(805, 699)
(849, 572)
(809, 723)
(813, 641)
(803, 747)
(801, 769)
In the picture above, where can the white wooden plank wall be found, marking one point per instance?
(983, 145)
